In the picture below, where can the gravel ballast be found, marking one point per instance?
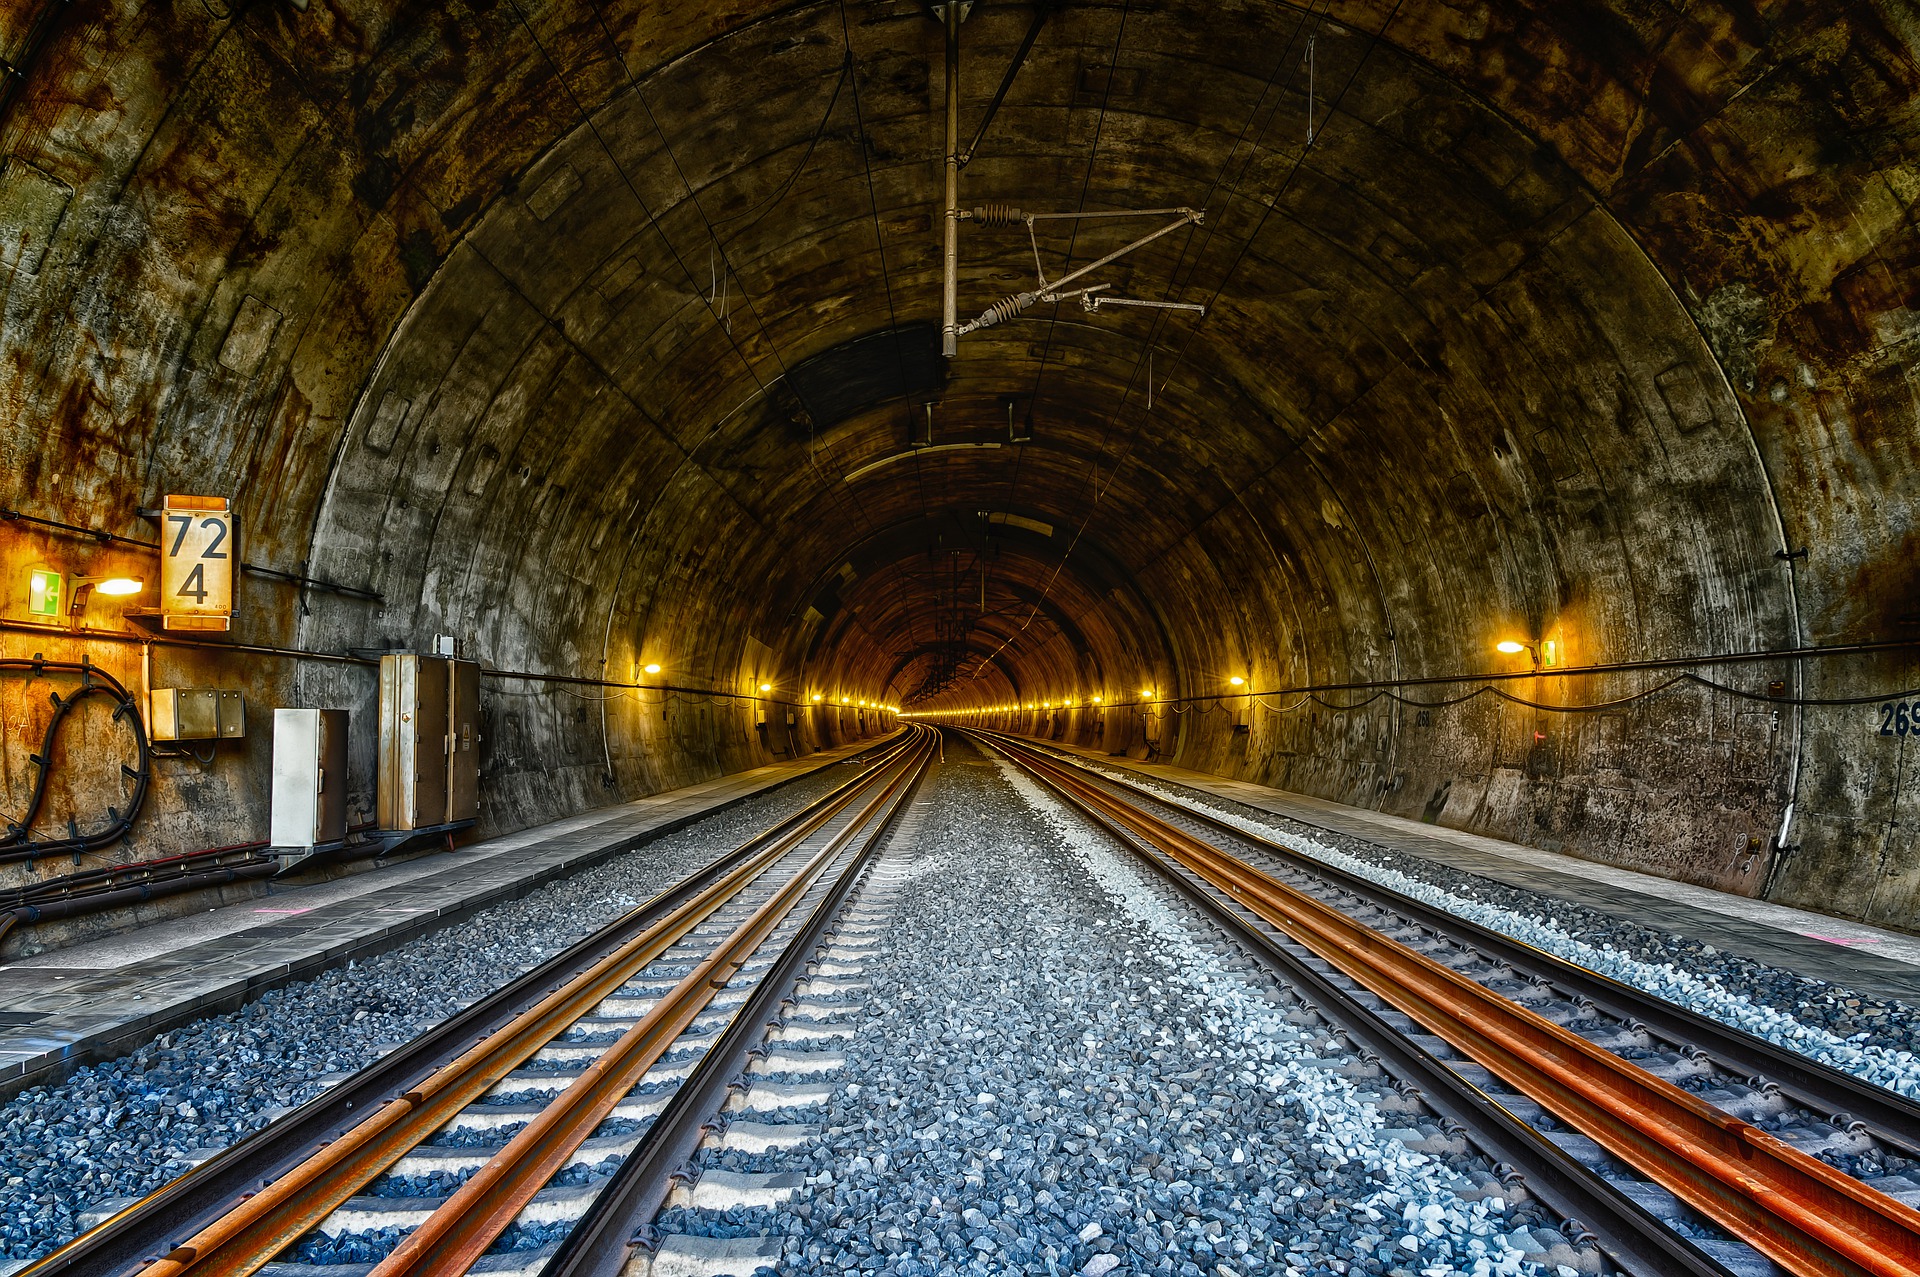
(1874, 1040)
(1060, 1072)
(120, 1129)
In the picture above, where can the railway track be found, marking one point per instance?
(1631, 1115)
(587, 1078)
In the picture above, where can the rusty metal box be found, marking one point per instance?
(196, 713)
(429, 770)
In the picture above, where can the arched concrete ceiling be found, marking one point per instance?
(1571, 320)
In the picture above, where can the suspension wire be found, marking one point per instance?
(755, 213)
(633, 189)
(1073, 238)
(880, 246)
(1098, 490)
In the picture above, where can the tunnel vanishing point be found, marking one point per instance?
(1517, 431)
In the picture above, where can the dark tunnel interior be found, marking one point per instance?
(608, 337)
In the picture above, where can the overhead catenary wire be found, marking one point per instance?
(880, 244)
(686, 268)
(1098, 490)
(762, 385)
(1046, 346)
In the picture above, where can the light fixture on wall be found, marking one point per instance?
(766, 687)
(1237, 681)
(1513, 647)
(651, 668)
(79, 588)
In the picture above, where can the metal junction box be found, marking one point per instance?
(429, 741)
(197, 713)
(309, 777)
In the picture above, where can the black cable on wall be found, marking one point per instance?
(17, 842)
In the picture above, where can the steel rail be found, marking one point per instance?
(1636, 1239)
(194, 1202)
(1804, 1215)
(1822, 1088)
(281, 1213)
(247, 1238)
(602, 1241)
(462, 1229)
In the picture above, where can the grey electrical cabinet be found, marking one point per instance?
(309, 777)
(197, 713)
(429, 741)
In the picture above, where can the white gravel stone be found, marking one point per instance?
(1246, 1029)
(1897, 1070)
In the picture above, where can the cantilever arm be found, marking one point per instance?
(1009, 306)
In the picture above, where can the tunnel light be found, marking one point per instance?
(651, 668)
(1514, 647)
(1237, 681)
(766, 687)
(1096, 700)
(1146, 691)
(80, 587)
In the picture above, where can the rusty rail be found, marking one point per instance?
(1796, 1210)
(461, 1230)
(266, 1222)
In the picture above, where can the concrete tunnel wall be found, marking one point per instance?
(1573, 325)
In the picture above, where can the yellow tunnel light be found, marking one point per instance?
(1515, 646)
(818, 697)
(652, 667)
(80, 588)
(766, 687)
(1096, 700)
(1237, 681)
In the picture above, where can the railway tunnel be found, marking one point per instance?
(599, 342)
(1495, 418)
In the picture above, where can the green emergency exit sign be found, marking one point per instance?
(43, 593)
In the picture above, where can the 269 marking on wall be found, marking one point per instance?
(1900, 718)
(198, 547)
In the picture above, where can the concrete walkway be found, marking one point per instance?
(69, 1007)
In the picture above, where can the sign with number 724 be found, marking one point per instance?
(198, 547)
